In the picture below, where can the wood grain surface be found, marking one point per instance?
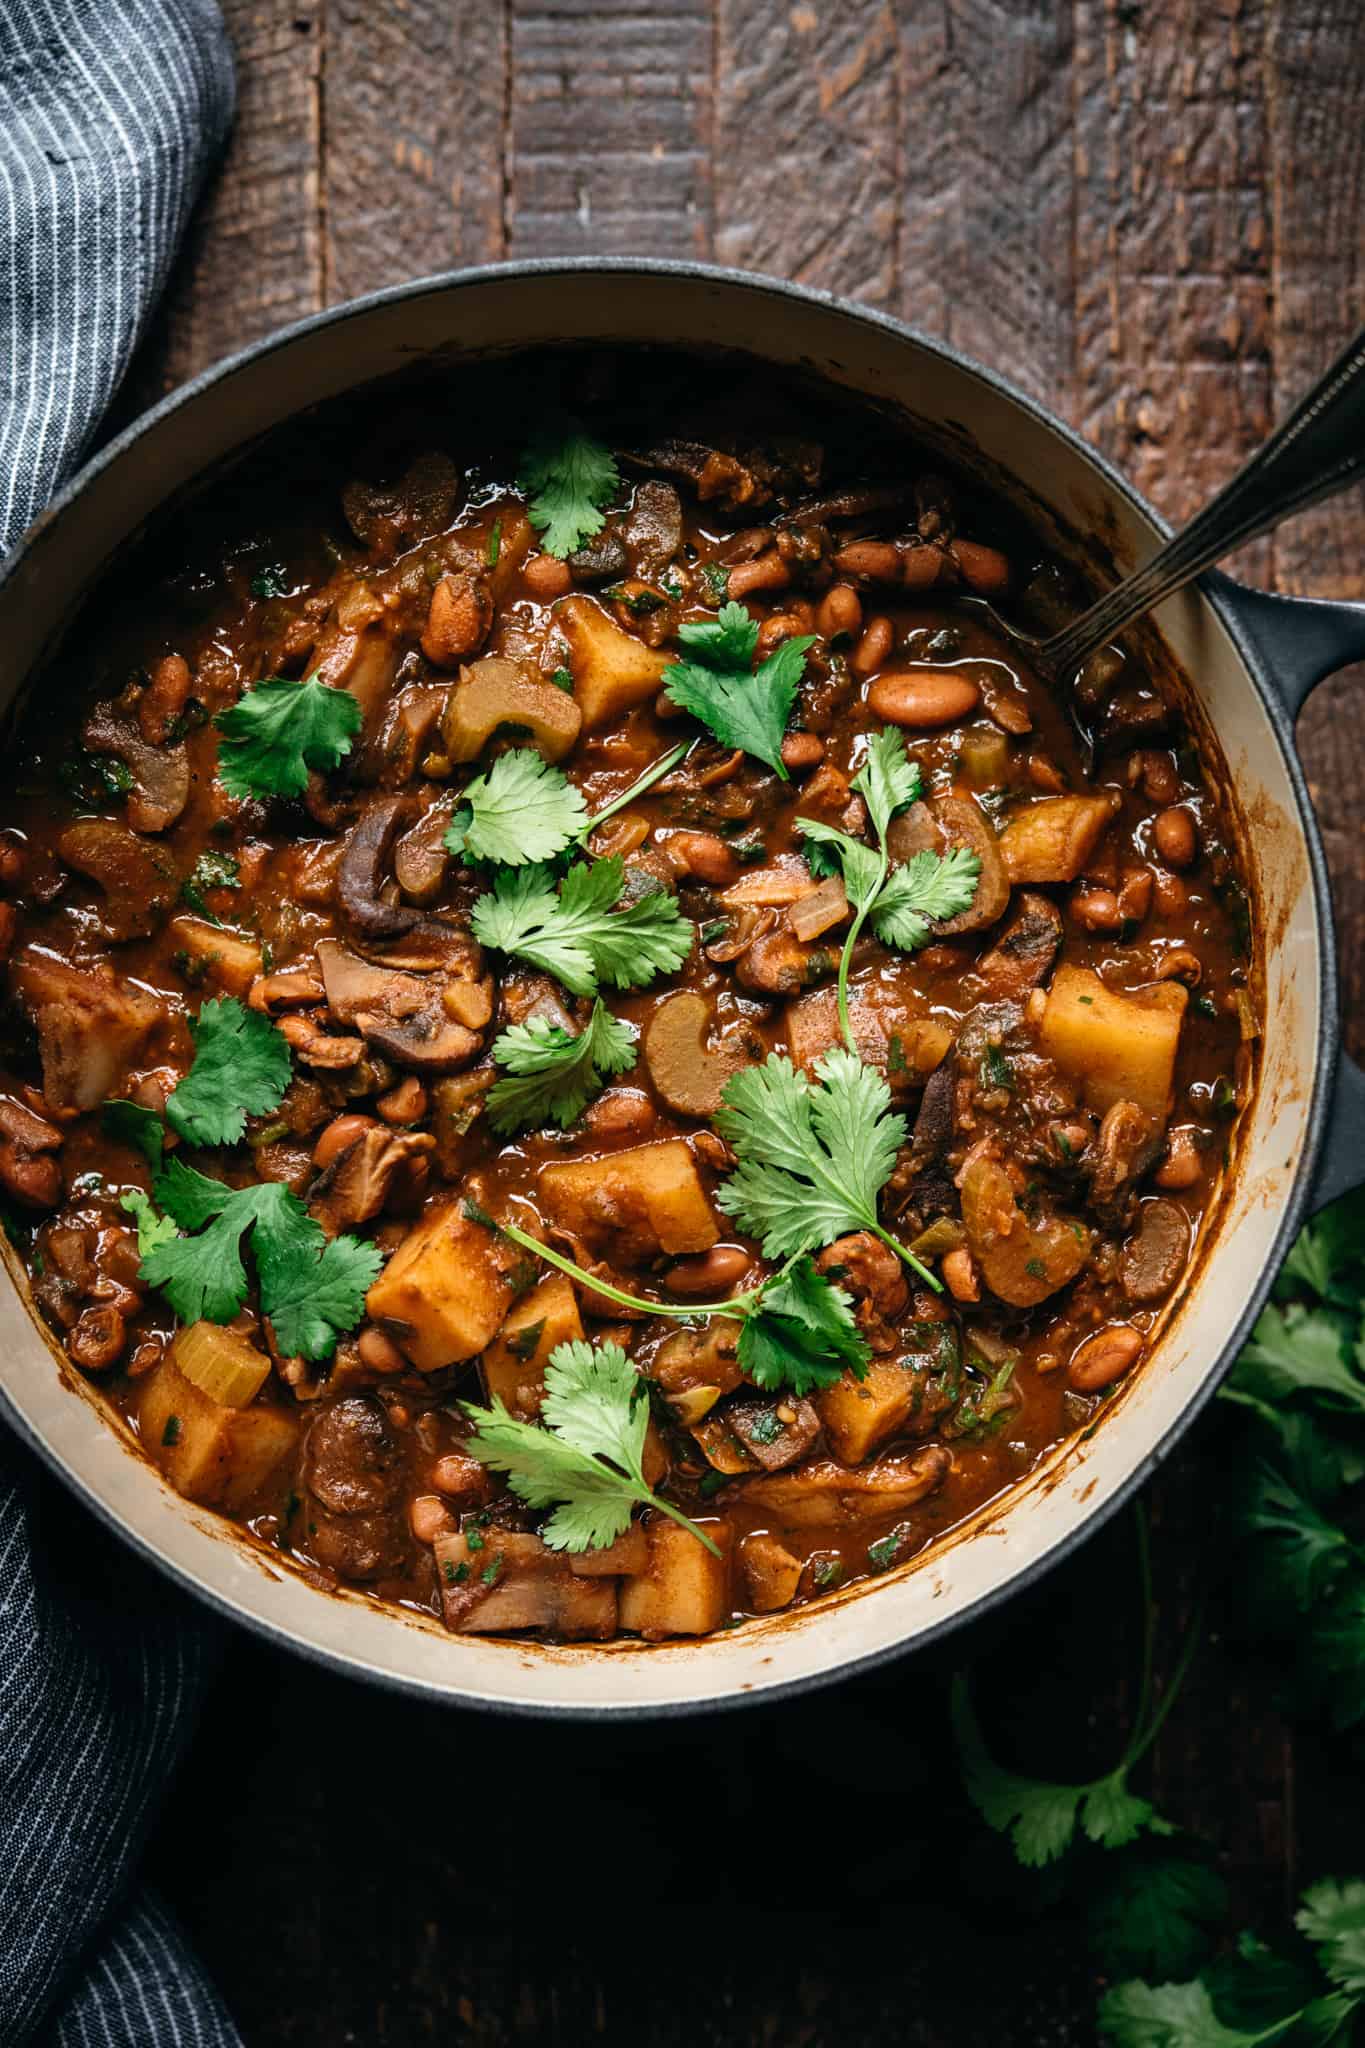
(1146, 212)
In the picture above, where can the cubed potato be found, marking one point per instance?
(627, 1557)
(213, 1454)
(1117, 1045)
(768, 1573)
(860, 1415)
(514, 1363)
(634, 1204)
(685, 1591)
(445, 1291)
(903, 1047)
(496, 692)
(612, 670)
(1051, 840)
(496, 1580)
(224, 959)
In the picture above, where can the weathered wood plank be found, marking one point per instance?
(986, 178)
(412, 140)
(607, 128)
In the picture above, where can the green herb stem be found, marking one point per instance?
(736, 1309)
(929, 1279)
(846, 956)
(654, 773)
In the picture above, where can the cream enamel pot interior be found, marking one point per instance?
(1251, 659)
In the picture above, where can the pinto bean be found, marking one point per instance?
(871, 561)
(1096, 910)
(378, 1350)
(1169, 893)
(546, 577)
(923, 697)
(802, 750)
(984, 570)
(750, 579)
(98, 1339)
(429, 1517)
(623, 1113)
(1104, 1358)
(340, 1133)
(922, 568)
(405, 1104)
(12, 863)
(840, 611)
(458, 620)
(878, 638)
(1176, 839)
(703, 856)
(708, 1273)
(1183, 1162)
(960, 1276)
(164, 699)
(1135, 893)
(1155, 773)
(781, 626)
(33, 1178)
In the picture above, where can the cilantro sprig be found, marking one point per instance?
(279, 730)
(241, 1068)
(717, 682)
(586, 1462)
(551, 1074)
(573, 929)
(312, 1288)
(524, 810)
(566, 477)
(212, 870)
(901, 901)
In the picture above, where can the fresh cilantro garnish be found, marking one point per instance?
(573, 932)
(212, 870)
(153, 1228)
(901, 901)
(566, 477)
(522, 810)
(812, 1159)
(743, 707)
(802, 1334)
(1157, 1913)
(241, 1068)
(272, 581)
(278, 731)
(494, 547)
(312, 1288)
(130, 1124)
(551, 1074)
(586, 1461)
(717, 577)
(563, 680)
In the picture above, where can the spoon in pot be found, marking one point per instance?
(1314, 453)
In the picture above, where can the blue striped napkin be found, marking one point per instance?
(111, 112)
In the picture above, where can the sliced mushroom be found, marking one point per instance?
(420, 860)
(403, 1015)
(90, 1027)
(1155, 1256)
(360, 877)
(361, 1180)
(947, 821)
(601, 559)
(824, 1494)
(1127, 1144)
(29, 1171)
(687, 1074)
(1023, 954)
(422, 501)
(1022, 1258)
(653, 526)
(161, 775)
(360, 653)
(138, 881)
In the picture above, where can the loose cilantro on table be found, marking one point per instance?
(573, 931)
(241, 1068)
(278, 731)
(567, 477)
(586, 1462)
(901, 902)
(212, 870)
(551, 1074)
(717, 682)
(312, 1288)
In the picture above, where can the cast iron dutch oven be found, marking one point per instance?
(1252, 660)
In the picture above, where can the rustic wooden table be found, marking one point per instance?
(1148, 213)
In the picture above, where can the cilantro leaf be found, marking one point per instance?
(1333, 1653)
(241, 1068)
(212, 870)
(1138, 2015)
(1157, 1914)
(827, 848)
(131, 1124)
(153, 1229)
(1303, 1552)
(1298, 1350)
(802, 1334)
(888, 781)
(1328, 1255)
(521, 810)
(278, 730)
(596, 1408)
(574, 933)
(924, 890)
(742, 707)
(566, 477)
(551, 1075)
(812, 1161)
(1332, 1917)
(312, 1288)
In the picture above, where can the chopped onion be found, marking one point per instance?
(824, 907)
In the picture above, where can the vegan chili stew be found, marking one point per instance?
(586, 1049)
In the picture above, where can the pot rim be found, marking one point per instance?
(1219, 595)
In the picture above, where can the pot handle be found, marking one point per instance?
(1302, 641)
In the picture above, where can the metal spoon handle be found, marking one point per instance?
(1316, 452)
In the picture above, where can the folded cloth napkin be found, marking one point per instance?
(111, 112)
